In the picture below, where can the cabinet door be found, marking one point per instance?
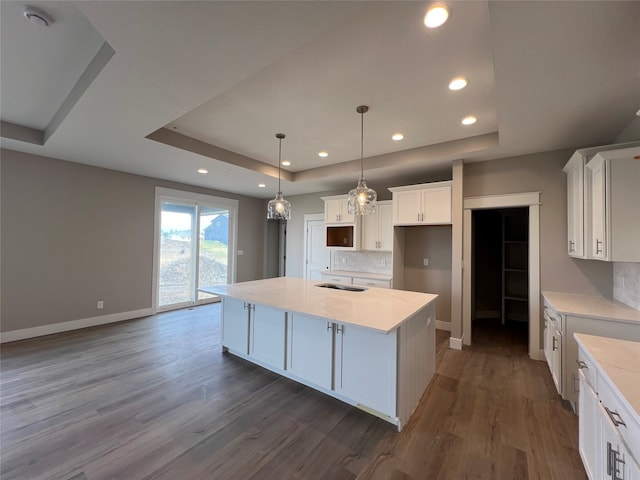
(332, 211)
(436, 205)
(556, 355)
(406, 207)
(598, 211)
(345, 216)
(310, 349)
(589, 428)
(235, 325)
(575, 209)
(385, 222)
(267, 335)
(365, 366)
(370, 230)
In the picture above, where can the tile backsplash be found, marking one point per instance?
(626, 283)
(370, 262)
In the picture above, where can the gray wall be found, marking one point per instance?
(73, 234)
(543, 172)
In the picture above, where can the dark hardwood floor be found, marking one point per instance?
(156, 399)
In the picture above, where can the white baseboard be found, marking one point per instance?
(14, 335)
(455, 343)
(442, 325)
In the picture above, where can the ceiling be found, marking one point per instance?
(165, 88)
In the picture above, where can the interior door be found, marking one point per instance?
(318, 255)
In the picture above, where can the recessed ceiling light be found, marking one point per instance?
(203, 170)
(286, 163)
(397, 137)
(458, 83)
(470, 120)
(436, 16)
(261, 185)
(323, 154)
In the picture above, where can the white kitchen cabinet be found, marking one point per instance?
(371, 282)
(426, 204)
(267, 335)
(365, 367)
(589, 427)
(563, 363)
(553, 345)
(614, 198)
(336, 210)
(377, 228)
(576, 178)
(310, 349)
(235, 325)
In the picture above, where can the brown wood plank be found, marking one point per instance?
(155, 398)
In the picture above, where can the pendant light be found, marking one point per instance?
(362, 199)
(279, 208)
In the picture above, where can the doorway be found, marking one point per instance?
(317, 256)
(194, 247)
(531, 202)
(500, 276)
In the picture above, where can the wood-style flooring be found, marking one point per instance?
(156, 399)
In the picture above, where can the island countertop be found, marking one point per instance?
(379, 309)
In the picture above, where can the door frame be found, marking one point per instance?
(309, 217)
(162, 194)
(513, 200)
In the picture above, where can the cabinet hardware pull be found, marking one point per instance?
(617, 422)
(581, 365)
(328, 326)
(571, 246)
(609, 450)
(554, 346)
(576, 383)
(339, 329)
(598, 249)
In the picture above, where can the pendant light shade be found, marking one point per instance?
(362, 199)
(279, 208)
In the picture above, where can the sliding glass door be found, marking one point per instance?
(195, 242)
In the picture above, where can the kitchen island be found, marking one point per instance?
(373, 348)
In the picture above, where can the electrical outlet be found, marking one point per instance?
(100, 304)
(425, 262)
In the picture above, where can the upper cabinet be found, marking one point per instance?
(377, 228)
(599, 200)
(335, 210)
(575, 170)
(614, 193)
(426, 204)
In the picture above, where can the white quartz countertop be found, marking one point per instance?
(380, 309)
(593, 306)
(620, 361)
(347, 273)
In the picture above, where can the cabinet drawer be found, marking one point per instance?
(369, 282)
(588, 369)
(336, 279)
(626, 423)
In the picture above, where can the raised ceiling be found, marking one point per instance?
(208, 84)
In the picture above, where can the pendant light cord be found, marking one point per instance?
(362, 145)
(279, 161)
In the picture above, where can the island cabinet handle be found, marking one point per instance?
(339, 329)
(616, 421)
(554, 347)
(581, 365)
(328, 326)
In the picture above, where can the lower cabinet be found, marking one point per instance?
(310, 348)
(365, 367)
(607, 430)
(355, 362)
(267, 332)
(235, 325)
(553, 347)
(589, 428)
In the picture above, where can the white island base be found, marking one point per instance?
(380, 362)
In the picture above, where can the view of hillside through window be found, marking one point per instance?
(178, 255)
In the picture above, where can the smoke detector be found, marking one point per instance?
(37, 16)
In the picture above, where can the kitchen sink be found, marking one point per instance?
(337, 286)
